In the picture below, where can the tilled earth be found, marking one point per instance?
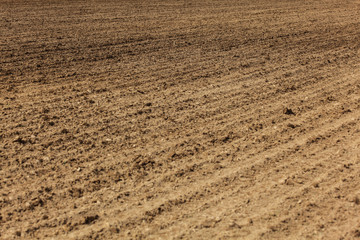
(180, 119)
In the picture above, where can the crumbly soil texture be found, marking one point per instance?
(167, 119)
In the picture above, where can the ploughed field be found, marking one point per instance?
(180, 119)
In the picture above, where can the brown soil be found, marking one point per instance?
(180, 119)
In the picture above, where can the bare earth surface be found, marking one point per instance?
(211, 119)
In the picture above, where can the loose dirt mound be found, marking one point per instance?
(180, 119)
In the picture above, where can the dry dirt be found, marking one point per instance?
(208, 119)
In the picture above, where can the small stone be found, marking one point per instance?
(282, 181)
(107, 141)
(114, 230)
(289, 182)
(32, 139)
(210, 223)
(90, 219)
(234, 225)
